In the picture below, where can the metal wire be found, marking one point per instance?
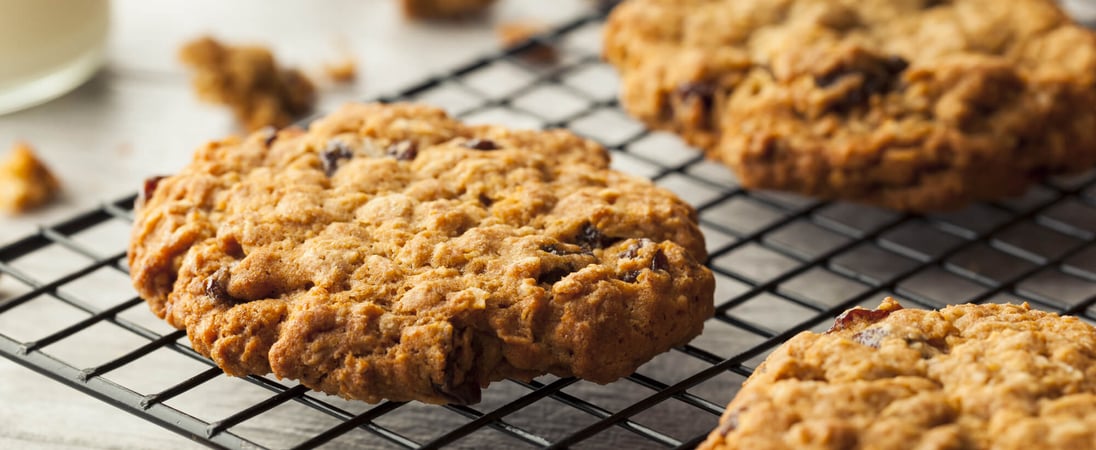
(763, 247)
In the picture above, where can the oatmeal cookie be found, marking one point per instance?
(910, 104)
(964, 377)
(248, 80)
(391, 252)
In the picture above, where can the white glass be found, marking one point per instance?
(48, 47)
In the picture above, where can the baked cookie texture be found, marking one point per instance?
(390, 252)
(915, 105)
(964, 377)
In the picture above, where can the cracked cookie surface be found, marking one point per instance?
(964, 377)
(390, 252)
(910, 104)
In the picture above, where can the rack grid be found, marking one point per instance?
(783, 263)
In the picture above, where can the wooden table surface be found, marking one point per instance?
(138, 117)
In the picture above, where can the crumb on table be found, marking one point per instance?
(343, 71)
(514, 33)
(248, 80)
(25, 182)
(443, 9)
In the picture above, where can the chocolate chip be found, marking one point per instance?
(701, 91)
(216, 287)
(870, 337)
(270, 135)
(660, 262)
(590, 237)
(403, 150)
(631, 276)
(481, 144)
(330, 156)
(852, 317)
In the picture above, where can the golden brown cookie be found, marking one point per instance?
(911, 104)
(964, 377)
(391, 252)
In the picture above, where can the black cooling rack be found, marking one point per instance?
(784, 264)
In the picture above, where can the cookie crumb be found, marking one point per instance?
(249, 80)
(443, 9)
(342, 71)
(515, 33)
(25, 181)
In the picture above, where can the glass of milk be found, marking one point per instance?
(48, 47)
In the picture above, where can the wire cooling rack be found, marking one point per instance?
(783, 264)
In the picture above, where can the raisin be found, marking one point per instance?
(633, 250)
(270, 134)
(331, 156)
(458, 384)
(463, 394)
(481, 144)
(895, 64)
(553, 276)
(631, 276)
(870, 337)
(854, 316)
(553, 250)
(660, 262)
(149, 188)
(403, 150)
(564, 249)
(828, 79)
(216, 287)
(879, 78)
(485, 200)
(590, 237)
(701, 91)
